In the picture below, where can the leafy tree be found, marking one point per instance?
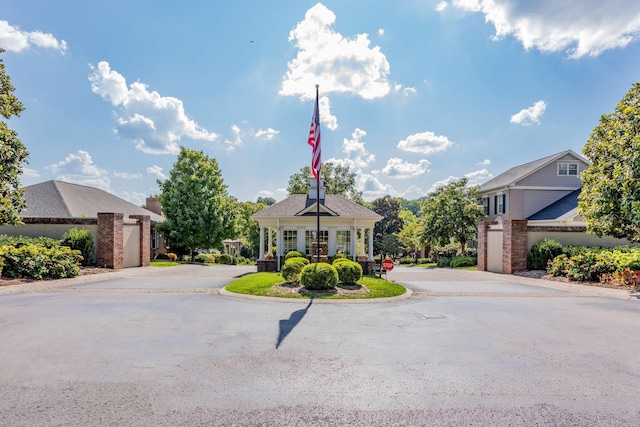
(389, 209)
(12, 154)
(411, 234)
(336, 179)
(198, 211)
(610, 196)
(411, 205)
(452, 212)
(266, 201)
(248, 229)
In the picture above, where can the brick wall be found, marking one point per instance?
(110, 240)
(514, 245)
(483, 226)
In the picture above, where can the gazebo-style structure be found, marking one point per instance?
(294, 221)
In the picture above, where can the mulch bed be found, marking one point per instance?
(542, 274)
(289, 288)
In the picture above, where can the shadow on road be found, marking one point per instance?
(287, 325)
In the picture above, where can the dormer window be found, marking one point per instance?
(567, 169)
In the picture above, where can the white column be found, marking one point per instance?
(278, 245)
(353, 243)
(269, 241)
(300, 235)
(361, 241)
(370, 244)
(331, 244)
(261, 243)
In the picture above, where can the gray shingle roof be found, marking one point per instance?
(58, 199)
(517, 173)
(558, 208)
(296, 203)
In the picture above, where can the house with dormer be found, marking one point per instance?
(345, 227)
(535, 190)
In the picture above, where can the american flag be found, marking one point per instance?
(314, 140)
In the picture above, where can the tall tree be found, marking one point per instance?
(337, 179)
(198, 211)
(248, 229)
(268, 201)
(389, 209)
(610, 196)
(12, 154)
(411, 234)
(452, 212)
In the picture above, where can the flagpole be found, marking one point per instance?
(317, 201)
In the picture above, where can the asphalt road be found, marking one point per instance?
(163, 347)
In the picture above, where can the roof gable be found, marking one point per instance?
(298, 205)
(518, 173)
(58, 199)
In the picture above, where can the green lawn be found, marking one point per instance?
(262, 284)
(163, 263)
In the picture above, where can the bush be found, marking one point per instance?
(339, 260)
(543, 252)
(319, 276)
(294, 254)
(463, 261)
(18, 241)
(349, 272)
(406, 260)
(81, 240)
(205, 258)
(444, 262)
(228, 259)
(558, 266)
(424, 260)
(339, 255)
(37, 261)
(292, 268)
(303, 260)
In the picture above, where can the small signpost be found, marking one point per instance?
(387, 265)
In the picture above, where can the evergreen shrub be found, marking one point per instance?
(292, 268)
(319, 276)
(294, 254)
(543, 252)
(463, 261)
(81, 240)
(349, 272)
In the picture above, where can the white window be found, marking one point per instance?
(310, 240)
(500, 204)
(289, 240)
(485, 204)
(154, 239)
(567, 169)
(343, 241)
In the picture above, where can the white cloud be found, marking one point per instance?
(578, 28)
(327, 119)
(425, 143)
(134, 197)
(30, 173)
(380, 32)
(485, 162)
(413, 192)
(153, 122)
(530, 115)
(266, 134)
(371, 187)
(80, 169)
(407, 91)
(264, 193)
(13, 39)
(237, 138)
(356, 153)
(338, 64)
(127, 175)
(441, 6)
(478, 177)
(442, 183)
(156, 172)
(396, 168)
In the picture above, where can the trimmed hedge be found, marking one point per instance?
(319, 276)
(463, 261)
(542, 252)
(292, 268)
(38, 261)
(294, 254)
(444, 262)
(349, 272)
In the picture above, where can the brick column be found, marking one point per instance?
(110, 240)
(483, 226)
(144, 222)
(514, 243)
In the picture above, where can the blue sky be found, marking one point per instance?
(413, 93)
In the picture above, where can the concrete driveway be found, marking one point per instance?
(158, 346)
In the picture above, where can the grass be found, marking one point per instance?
(163, 263)
(261, 284)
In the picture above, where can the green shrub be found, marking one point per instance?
(38, 261)
(227, 259)
(424, 260)
(339, 260)
(81, 240)
(292, 268)
(349, 272)
(18, 241)
(303, 260)
(294, 254)
(444, 262)
(205, 258)
(558, 266)
(319, 276)
(543, 252)
(463, 261)
(339, 255)
(406, 260)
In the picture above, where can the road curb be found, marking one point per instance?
(404, 296)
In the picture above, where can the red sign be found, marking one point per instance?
(388, 265)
